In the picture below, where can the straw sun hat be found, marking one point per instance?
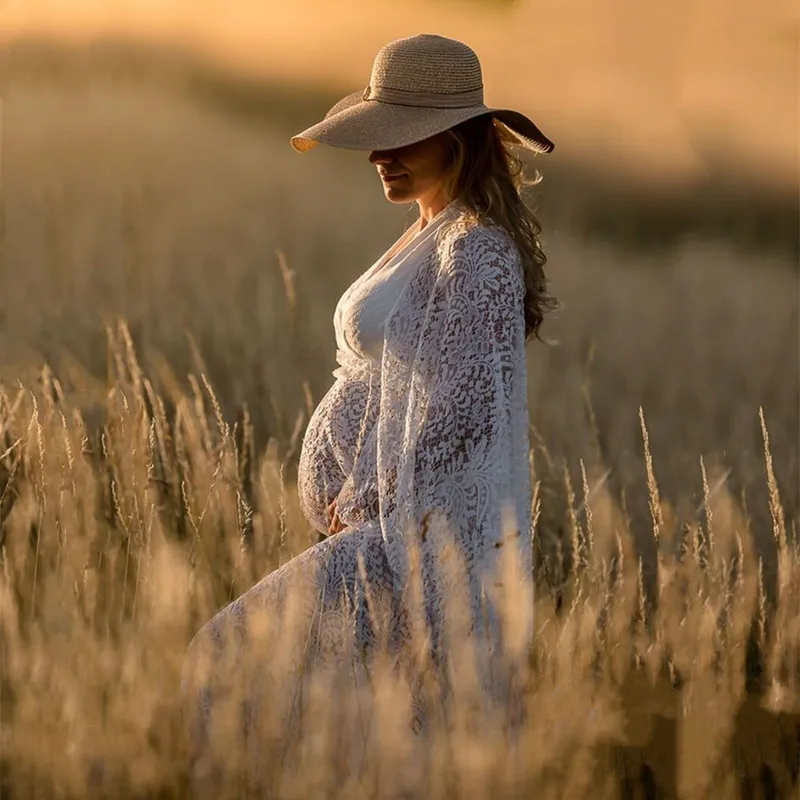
(420, 86)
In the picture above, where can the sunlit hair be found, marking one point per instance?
(488, 179)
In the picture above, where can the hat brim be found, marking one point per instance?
(357, 124)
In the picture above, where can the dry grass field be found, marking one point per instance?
(168, 275)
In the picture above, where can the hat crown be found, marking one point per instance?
(427, 63)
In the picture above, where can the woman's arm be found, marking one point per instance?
(458, 431)
(475, 394)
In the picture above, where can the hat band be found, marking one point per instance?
(403, 97)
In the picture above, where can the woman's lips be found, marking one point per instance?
(389, 178)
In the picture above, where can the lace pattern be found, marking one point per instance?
(453, 427)
(437, 431)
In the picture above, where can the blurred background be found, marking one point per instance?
(147, 175)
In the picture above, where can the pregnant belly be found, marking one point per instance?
(329, 448)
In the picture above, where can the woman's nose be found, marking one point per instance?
(380, 157)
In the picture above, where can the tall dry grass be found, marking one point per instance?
(147, 470)
(118, 544)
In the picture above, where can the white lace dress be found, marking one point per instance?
(426, 421)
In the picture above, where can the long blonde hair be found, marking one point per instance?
(488, 179)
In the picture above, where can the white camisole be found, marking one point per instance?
(338, 423)
(364, 307)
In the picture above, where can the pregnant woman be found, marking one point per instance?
(423, 437)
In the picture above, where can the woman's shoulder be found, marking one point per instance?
(465, 232)
(480, 243)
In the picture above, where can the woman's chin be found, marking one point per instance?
(394, 194)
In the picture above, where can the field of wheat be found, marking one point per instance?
(168, 278)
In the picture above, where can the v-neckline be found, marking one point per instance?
(402, 242)
(399, 246)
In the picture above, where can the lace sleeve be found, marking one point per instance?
(457, 442)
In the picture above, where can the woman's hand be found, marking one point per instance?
(334, 523)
